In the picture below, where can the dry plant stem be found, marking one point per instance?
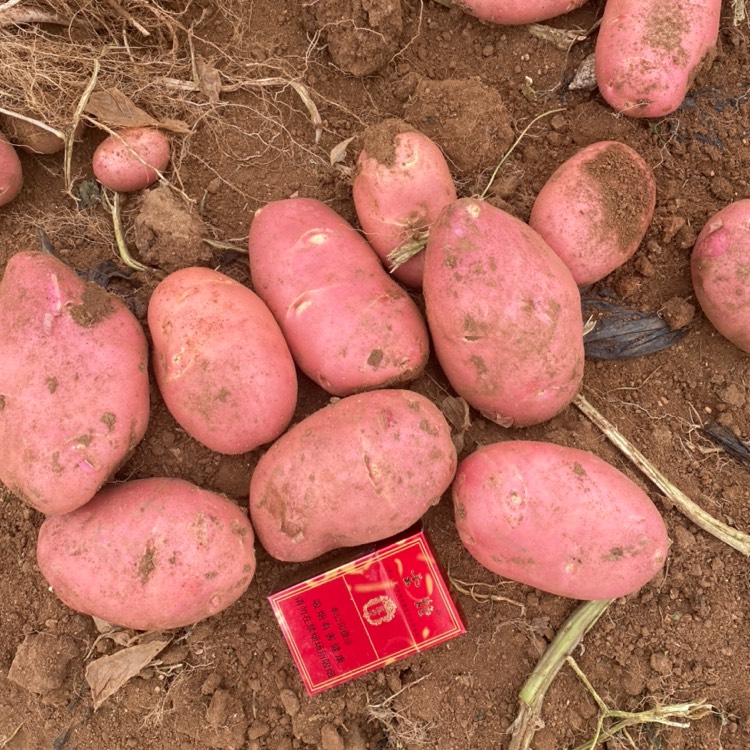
(70, 140)
(299, 88)
(32, 121)
(676, 715)
(535, 688)
(12, 16)
(739, 540)
(468, 589)
(117, 8)
(739, 12)
(122, 247)
(513, 147)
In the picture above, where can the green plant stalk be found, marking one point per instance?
(408, 250)
(535, 688)
(735, 538)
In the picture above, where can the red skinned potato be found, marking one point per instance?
(401, 185)
(595, 209)
(649, 51)
(131, 159)
(504, 313)
(150, 554)
(559, 519)
(73, 383)
(11, 174)
(513, 12)
(220, 361)
(354, 472)
(720, 263)
(349, 326)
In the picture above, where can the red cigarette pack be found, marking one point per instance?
(384, 605)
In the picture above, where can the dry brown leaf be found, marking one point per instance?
(209, 79)
(115, 109)
(108, 674)
(456, 411)
(338, 152)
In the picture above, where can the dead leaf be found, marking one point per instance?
(338, 152)
(108, 674)
(115, 109)
(456, 411)
(209, 80)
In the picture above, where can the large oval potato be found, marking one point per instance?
(595, 209)
(504, 313)
(649, 51)
(401, 186)
(74, 394)
(720, 268)
(354, 472)
(349, 326)
(514, 12)
(559, 519)
(150, 554)
(11, 172)
(220, 360)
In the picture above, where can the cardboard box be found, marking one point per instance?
(386, 604)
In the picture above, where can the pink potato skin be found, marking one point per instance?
(349, 326)
(720, 268)
(74, 397)
(648, 51)
(513, 12)
(220, 361)
(150, 554)
(396, 201)
(504, 313)
(118, 161)
(11, 173)
(360, 470)
(559, 519)
(595, 209)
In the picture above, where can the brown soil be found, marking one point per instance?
(229, 682)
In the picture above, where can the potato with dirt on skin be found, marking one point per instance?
(648, 52)
(357, 471)
(349, 326)
(720, 268)
(504, 313)
(401, 185)
(515, 12)
(74, 392)
(149, 554)
(595, 209)
(131, 159)
(220, 361)
(559, 519)
(11, 172)
(34, 139)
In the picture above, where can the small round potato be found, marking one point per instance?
(11, 174)
(559, 519)
(720, 266)
(150, 554)
(131, 159)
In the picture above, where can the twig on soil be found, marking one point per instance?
(12, 16)
(467, 588)
(70, 140)
(122, 248)
(117, 8)
(676, 715)
(738, 10)
(5, 740)
(529, 718)
(735, 538)
(513, 147)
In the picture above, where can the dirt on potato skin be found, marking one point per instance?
(684, 636)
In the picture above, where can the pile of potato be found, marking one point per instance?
(502, 314)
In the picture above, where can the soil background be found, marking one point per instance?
(229, 682)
